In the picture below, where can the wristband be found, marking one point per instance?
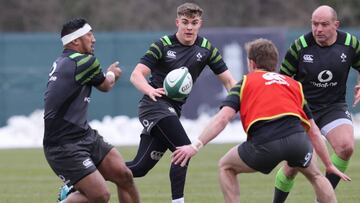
(111, 75)
(197, 145)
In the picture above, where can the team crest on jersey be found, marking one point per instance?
(199, 56)
(171, 54)
(343, 58)
(308, 58)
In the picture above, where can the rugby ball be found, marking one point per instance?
(178, 83)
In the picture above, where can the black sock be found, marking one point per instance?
(334, 179)
(177, 179)
(280, 196)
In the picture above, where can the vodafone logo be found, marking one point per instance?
(325, 76)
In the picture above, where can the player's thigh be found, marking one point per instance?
(291, 172)
(341, 136)
(113, 167)
(311, 172)
(92, 185)
(232, 161)
(171, 132)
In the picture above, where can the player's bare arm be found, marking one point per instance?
(112, 75)
(212, 130)
(227, 79)
(138, 79)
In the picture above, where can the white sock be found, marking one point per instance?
(180, 200)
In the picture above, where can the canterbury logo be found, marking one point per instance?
(87, 163)
(171, 54)
(308, 58)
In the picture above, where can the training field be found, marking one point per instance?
(26, 177)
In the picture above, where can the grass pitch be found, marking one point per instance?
(26, 177)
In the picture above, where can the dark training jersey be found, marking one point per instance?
(168, 54)
(323, 71)
(68, 95)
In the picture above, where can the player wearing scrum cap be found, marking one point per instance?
(75, 151)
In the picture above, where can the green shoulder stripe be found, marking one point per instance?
(218, 58)
(204, 42)
(91, 76)
(74, 55)
(213, 54)
(83, 60)
(157, 48)
(348, 39)
(152, 53)
(303, 41)
(354, 42)
(166, 40)
(94, 65)
(288, 65)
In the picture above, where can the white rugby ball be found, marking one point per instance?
(178, 83)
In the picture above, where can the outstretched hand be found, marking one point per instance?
(158, 92)
(333, 170)
(182, 155)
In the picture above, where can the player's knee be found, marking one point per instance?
(101, 196)
(125, 177)
(289, 172)
(223, 165)
(345, 151)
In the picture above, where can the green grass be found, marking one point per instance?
(26, 177)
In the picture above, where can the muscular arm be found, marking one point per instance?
(227, 79)
(138, 79)
(218, 123)
(110, 79)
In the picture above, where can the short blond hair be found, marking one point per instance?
(264, 53)
(189, 10)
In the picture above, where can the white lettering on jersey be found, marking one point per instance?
(272, 78)
(324, 78)
(52, 77)
(147, 124)
(87, 99)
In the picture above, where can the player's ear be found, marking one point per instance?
(177, 22)
(75, 42)
(337, 24)
(251, 65)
